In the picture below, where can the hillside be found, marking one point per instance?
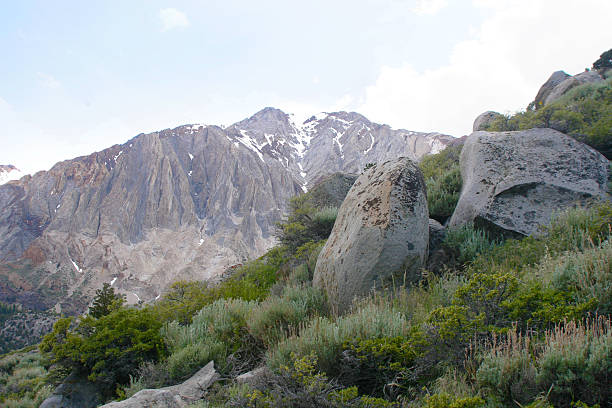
(368, 301)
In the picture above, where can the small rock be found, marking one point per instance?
(176, 396)
(251, 375)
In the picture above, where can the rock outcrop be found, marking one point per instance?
(331, 191)
(484, 120)
(74, 392)
(514, 181)
(381, 234)
(183, 203)
(560, 83)
(176, 396)
(555, 79)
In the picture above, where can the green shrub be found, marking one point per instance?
(183, 300)
(466, 242)
(108, 349)
(105, 301)
(572, 363)
(252, 281)
(382, 366)
(184, 362)
(32, 399)
(575, 229)
(580, 228)
(454, 327)
(301, 385)
(24, 379)
(324, 338)
(217, 331)
(9, 361)
(436, 165)
(485, 294)
(576, 364)
(508, 372)
(447, 401)
(443, 194)
(585, 275)
(427, 295)
(300, 275)
(277, 317)
(455, 381)
(511, 255)
(443, 180)
(584, 112)
(305, 223)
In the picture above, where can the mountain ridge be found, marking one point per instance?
(180, 203)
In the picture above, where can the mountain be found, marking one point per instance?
(9, 173)
(183, 203)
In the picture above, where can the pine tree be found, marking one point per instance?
(105, 301)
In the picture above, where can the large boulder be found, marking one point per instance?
(586, 77)
(514, 181)
(559, 84)
(484, 120)
(381, 234)
(176, 396)
(555, 79)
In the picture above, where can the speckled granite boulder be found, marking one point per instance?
(381, 234)
(514, 181)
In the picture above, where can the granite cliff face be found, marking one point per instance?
(182, 203)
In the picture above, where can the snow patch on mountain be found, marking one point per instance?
(436, 146)
(250, 143)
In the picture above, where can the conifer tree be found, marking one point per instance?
(105, 301)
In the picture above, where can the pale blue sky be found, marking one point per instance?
(80, 76)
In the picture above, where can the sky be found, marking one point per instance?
(77, 77)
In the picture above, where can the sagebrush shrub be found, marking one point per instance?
(324, 337)
(466, 243)
(572, 363)
(443, 181)
(279, 316)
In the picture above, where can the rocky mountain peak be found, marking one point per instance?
(8, 172)
(181, 203)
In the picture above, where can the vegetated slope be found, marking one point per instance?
(584, 112)
(503, 323)
(498, 323)
(183, 203)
